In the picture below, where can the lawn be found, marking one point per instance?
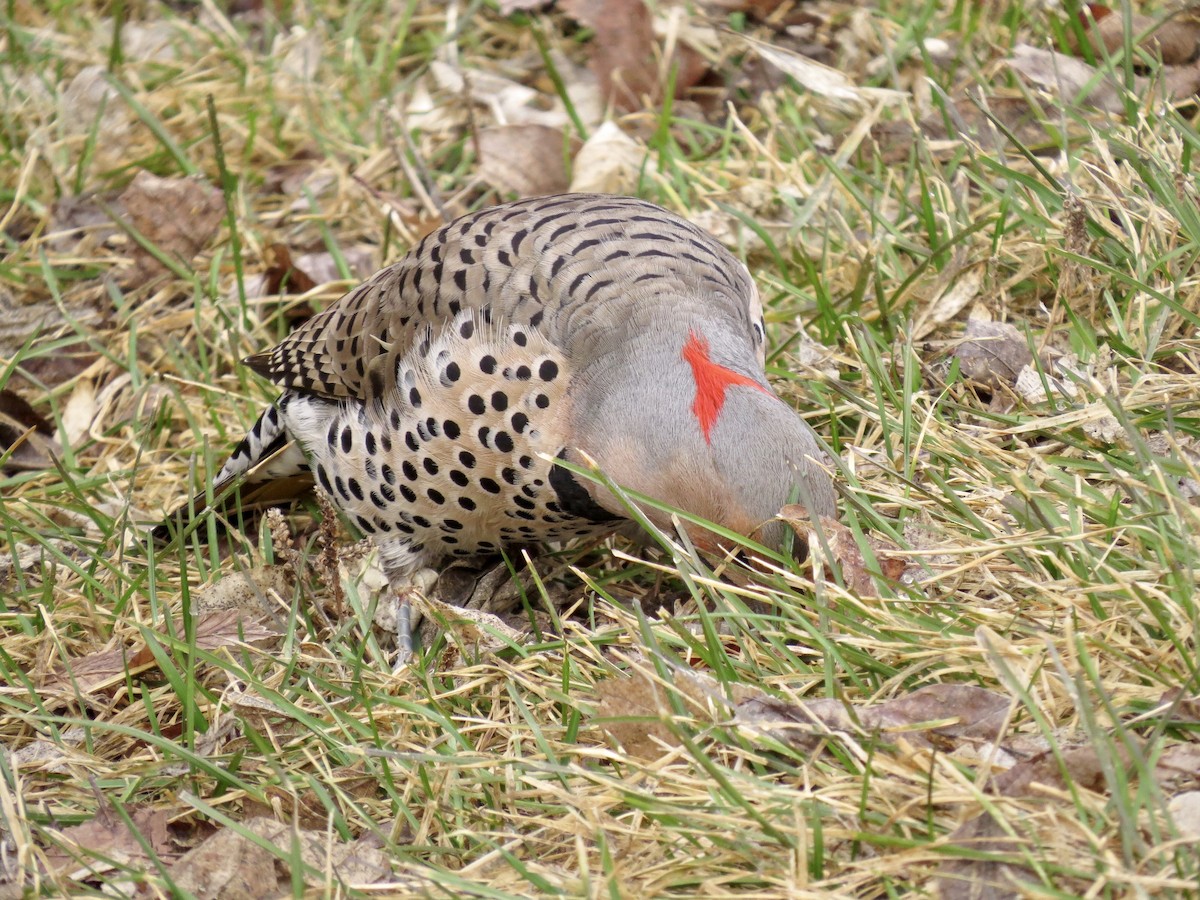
(976, 231)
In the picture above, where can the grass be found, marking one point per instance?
(1049, 541)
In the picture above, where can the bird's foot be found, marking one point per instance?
(415, 587)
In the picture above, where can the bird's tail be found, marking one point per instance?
(268, 463)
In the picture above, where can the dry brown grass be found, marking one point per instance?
(654, 736)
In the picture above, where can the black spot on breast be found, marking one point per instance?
(487, 365)
(523, 502)
(460, 280)
(410, 440)
(414, 397)
(489, 485)
(548, 370)
(347, 439)
(341, 487)
(389, 474)
(476, 405)
(467, 503)
(459, 477)
(452, 524)
(536, 319)
(451, 430)
(365, 525)
(409, 470)
(369, 443)
(408, 493)
(467, 458)
(520, 422)
(453, 372)
(387, 493)
(421, 521)
(385, 441)
(430, 465)
(503, 442)
(499, 401)
(323, 477)
(436, 496)
(509, 475)
(355, 488)
(520, 338)
(376, 378)
(431, 426)
(523, 373)
(541, 401)
(525, 462)
(467, 328)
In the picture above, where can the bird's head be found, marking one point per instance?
(681, 412)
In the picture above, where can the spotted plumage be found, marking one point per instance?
(432, 401)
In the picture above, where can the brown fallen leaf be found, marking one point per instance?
(996, 878)
(992, 353)
(1174, 39)
(1066, 78)
(27, 441)
(858, 577)
(98, 671)
(938, 714)
(525, 160)
(179, 216)
(630, 712)
(228, 864)
(624, 52)
(282, 275)
(106, 836)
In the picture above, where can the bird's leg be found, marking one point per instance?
(404, 590)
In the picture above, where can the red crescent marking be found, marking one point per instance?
(712, 380)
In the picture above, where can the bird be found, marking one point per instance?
(436, 402)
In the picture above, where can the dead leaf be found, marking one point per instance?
(624, 52)
(179, 216)
(282, 275)
(962, 288)
(1174, 39)
(609, 162)
(981, 878)
(858, 577)
(1185, 813)
(255, 591)
(107, 836)
(1066, 78)
(631, 711)
(525, 160)
(227, 864)
(27, 440)
(98, 671)
(976, 877)
(821, 79)
(79, 224)
(939, 714)
(992, 353)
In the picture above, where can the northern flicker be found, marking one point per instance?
(432, 402)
